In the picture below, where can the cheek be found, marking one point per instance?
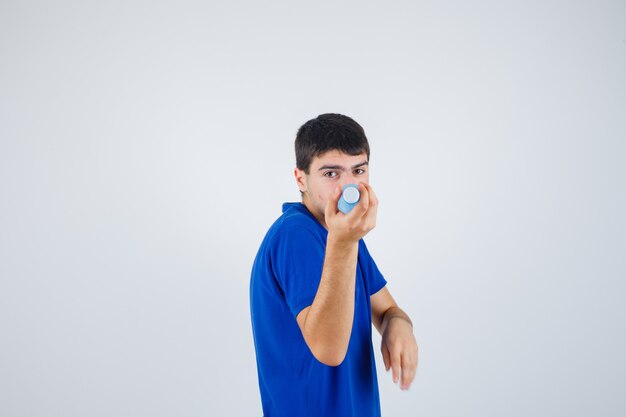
(325, 192)
(321, 195)
(325, 195)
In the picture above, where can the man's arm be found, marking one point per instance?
(327, 323)
(398, 345)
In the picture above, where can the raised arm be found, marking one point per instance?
(327, 323)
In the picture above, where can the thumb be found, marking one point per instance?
(331, 204)
(386, 357)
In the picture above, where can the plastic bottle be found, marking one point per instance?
(350, 197)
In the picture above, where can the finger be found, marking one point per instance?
(408, 370)
(372, 206)
(365, 195)
(386, 357)
(417, 357)
(361, 208)
(395, 366)
(331, 204)
(372, 195)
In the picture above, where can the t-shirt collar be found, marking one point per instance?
(301, 208)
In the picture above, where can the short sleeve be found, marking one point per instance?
(375, 279)
(297, 260)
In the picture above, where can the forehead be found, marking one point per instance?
(338, 158)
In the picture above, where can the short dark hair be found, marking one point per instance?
(327, 132)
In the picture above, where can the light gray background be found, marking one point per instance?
(146, 147)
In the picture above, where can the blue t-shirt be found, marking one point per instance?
(284, 280)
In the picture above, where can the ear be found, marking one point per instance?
(300, 176)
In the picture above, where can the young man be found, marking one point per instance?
(315, 290)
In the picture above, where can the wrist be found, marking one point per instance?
(339, 242)
(396, 313)
(405, 318)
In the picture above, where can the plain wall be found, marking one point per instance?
(146, 147)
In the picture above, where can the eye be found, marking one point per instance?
(359, 171)
(330, 174)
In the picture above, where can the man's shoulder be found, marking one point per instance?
(294, 222)
(296, 217)
(297, 213)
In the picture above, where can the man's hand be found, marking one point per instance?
(399, 349)
(352, 226)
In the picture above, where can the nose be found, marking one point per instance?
(349, 179)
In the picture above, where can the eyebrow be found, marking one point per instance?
(340, 168)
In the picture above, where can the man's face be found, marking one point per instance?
(327, 171)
